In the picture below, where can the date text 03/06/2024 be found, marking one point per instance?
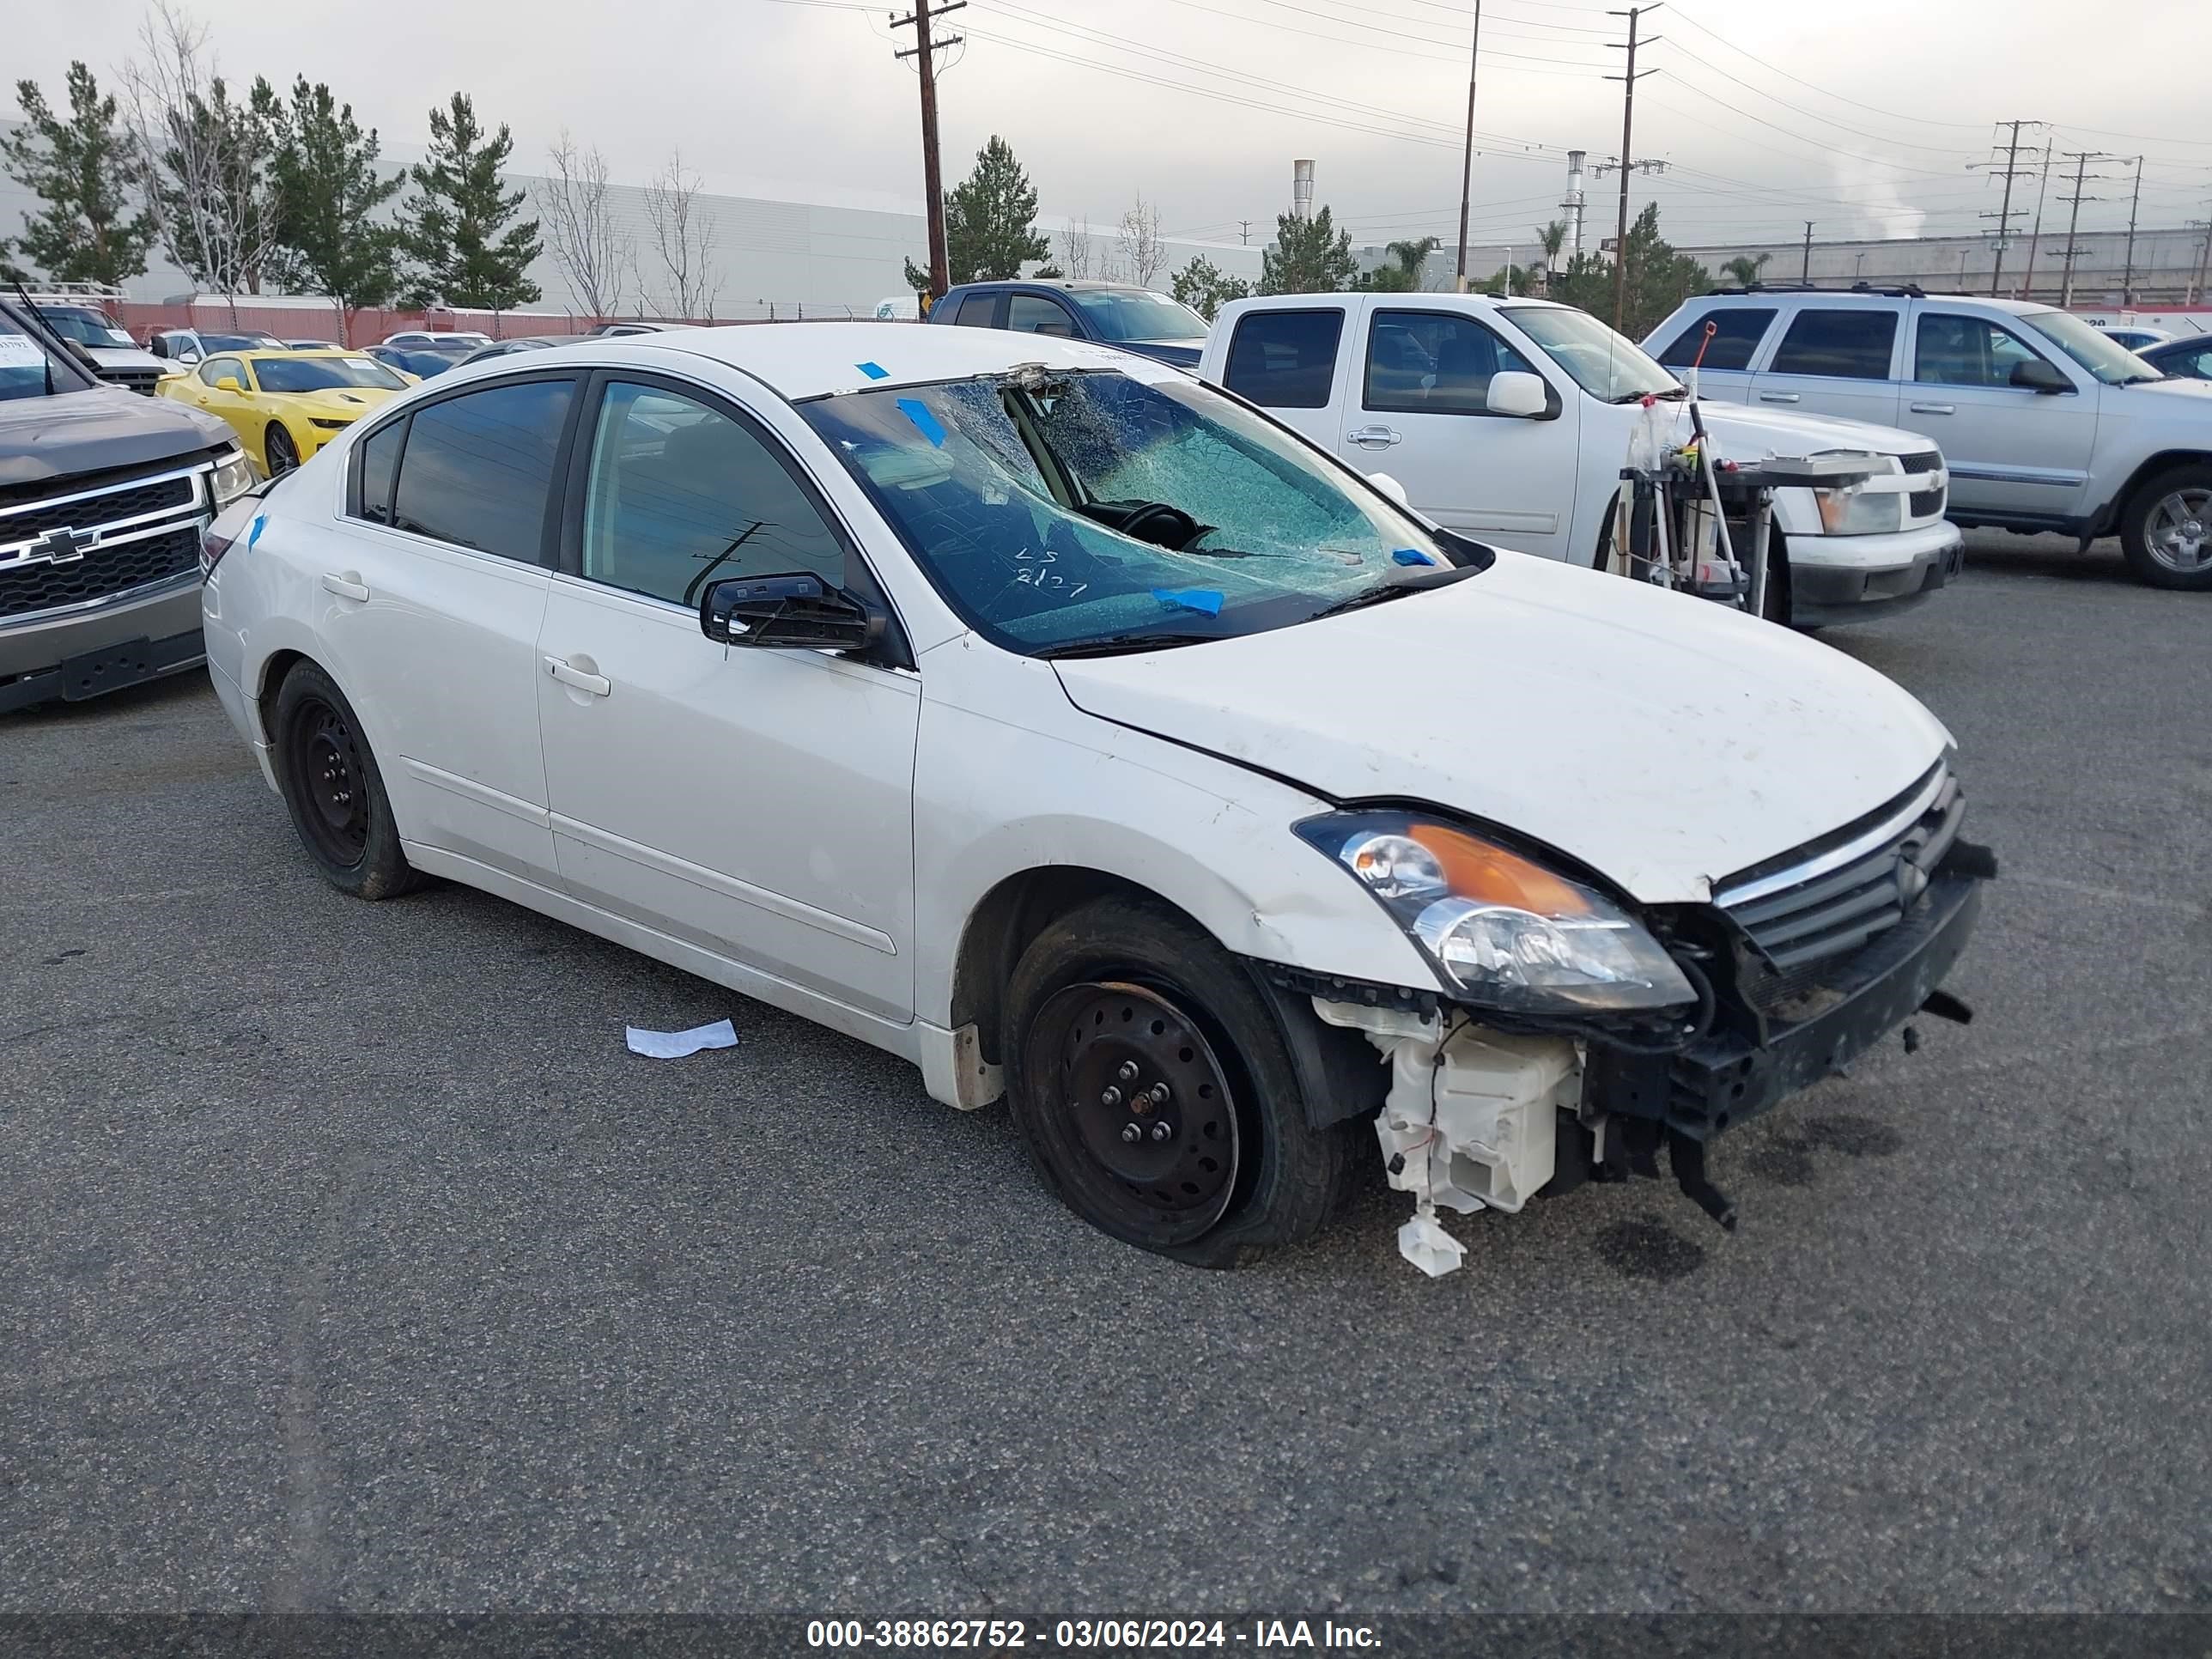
(1258, 1636)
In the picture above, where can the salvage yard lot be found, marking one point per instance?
(352, 1262)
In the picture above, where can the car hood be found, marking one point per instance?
(75, 432)
(2193, 390)
(1743, 434)
(110, 356)
(1661, 740)
(1181, 353)
(340, 401)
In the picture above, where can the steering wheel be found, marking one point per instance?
(1145, 523)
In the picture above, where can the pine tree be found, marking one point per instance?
(1206, 288)
(79, 167)
(458, 228)
(1659, 278)
(331, 239)
(1310, 255)
(987, 219)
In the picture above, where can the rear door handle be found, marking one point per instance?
(598, 685)
(1778, 397)
(347, 586)
(1934, 409)
(1373, 437)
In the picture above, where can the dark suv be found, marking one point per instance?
(1107, 313)
(103, 496)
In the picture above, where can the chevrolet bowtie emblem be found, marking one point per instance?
(64, 545)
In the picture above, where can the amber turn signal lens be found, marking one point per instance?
(1476, 870)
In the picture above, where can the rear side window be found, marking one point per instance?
(1848, 345)
(379, 465)
(1737, 331)
(1031, 313)
(978, 311)
(1435, 362)
(1284, 359)
(478, 469)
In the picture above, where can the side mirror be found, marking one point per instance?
(1391, 486)
(230, 383)
(796, 612)
(1517, 393)
(2036, 376)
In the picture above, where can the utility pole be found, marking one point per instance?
(2003, 216)
(1635, 16)
(1805, 274)
(2026, 289)
(924, 51)
(2196, 288)
(1466, 161)
(1244, 232)
(2081, 158)
(2128, 268)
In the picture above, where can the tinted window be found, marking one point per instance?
(379, 464)
(680, 494)
(1736, 335)
(1029, 313)
(1852, 345)
(1284, 359)
(1435, 362)
(1137, 313)
(2195, 364)
(976, 311)
(1967, 351)
(215, 367)
(325, 373)
(479, 467)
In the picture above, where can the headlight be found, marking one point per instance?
(1851, 511)
(1505, 931)
(233, 477)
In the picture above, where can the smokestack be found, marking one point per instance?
(1301, 190)
(1573, 205)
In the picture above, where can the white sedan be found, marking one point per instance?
(1070, 729)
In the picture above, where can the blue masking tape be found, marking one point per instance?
(1190, 598)
(924, 422)
(1411, 556)
(253, 530)
(874, 371)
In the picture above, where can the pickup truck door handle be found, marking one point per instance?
(598, 685)
(347, 585)
(1373, 437)
(1934, 409)
(1778, 397)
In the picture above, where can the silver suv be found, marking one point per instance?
(2046, 424)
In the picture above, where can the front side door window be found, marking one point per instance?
(1954, 350)
(1435, 362)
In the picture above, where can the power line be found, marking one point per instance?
(2003, 216)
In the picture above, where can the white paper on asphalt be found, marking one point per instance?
(674, 1045)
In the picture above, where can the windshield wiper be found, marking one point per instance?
(1419, 584)
(1116, 645)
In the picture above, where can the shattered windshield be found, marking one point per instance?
(1097, 509)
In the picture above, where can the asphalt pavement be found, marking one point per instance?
(352, 1262)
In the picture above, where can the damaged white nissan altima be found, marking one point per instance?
(1037, 713)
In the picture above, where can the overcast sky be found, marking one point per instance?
(1201, 105)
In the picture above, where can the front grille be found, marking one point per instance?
(113, 569)
(1833, 896)
(1931, 461)
(89, 512)
(1925, 503)
(141, 380)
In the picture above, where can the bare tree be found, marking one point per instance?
(683, 239)
(202, 155)
(1139, 239)
(1075, 250)
(580, 232)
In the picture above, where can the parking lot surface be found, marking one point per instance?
(353, 1262)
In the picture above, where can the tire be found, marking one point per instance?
(281, 452)
(1125, 993)
(1775, 603)
(2165, 533)
(335, 793)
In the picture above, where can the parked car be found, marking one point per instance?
(634, 325)
(509, 348)
(103, 497)
(314, 345)
(2134, 337)
(1509, 420)
(176, 347)
(2189, 358)
(2045, 423)
(285, 405)
(1109, 313)
(419, 363)
(419, 339)
(1031, 711)
(115, 355)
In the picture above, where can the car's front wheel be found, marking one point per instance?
(1155, 1092)
(2167, 532)
(283, 455)
(330, 781)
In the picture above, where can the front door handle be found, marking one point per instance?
(1373, 437)
(598, 685)
(1778, 397)
(1934, 409)
(347, 585)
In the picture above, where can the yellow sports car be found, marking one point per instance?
(285, 405)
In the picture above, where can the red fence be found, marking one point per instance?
(364, 326)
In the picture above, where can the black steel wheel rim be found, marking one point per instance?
(332, 780)
(1141, 1106)
(282, 457)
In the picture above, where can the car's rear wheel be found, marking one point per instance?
(336, 794)
(283, 455)
(1155, 1092)
(2167, 532)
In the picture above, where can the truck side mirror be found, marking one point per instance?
(2036, 376)
(1517, 393)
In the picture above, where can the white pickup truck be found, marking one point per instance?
(1508, 421)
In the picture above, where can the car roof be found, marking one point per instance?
(810, 359)
(1829, 296)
